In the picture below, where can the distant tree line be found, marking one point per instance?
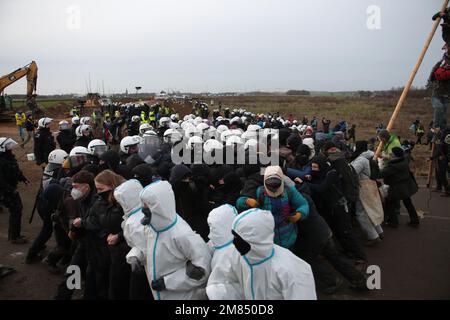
(298, 93)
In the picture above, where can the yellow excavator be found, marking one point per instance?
(30, 71)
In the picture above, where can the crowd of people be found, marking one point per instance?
(141, 225)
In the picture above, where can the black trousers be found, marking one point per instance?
(340, 223)
(325, 277)
(441, 174)
(139, 286)
(392, 211)
(62, 251)
(13, 202)
(46, 231)
(79, 258)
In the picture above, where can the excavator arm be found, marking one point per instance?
(30, 71)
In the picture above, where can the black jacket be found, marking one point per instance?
(82, 141)
(400, 179)
(10, 173)
(66, 140)
(44, 143)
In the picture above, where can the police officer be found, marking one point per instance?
(44, 143)
(10, 176)
(66, 137)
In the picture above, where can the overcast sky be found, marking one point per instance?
(217, 45)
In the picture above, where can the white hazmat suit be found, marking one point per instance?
(127, 195)
(220, 221)
(268, 271)
(170, 247)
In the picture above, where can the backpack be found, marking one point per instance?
(374, 169)
(348, 178)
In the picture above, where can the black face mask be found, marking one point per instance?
(273, 184)
(301, 159)
(315, 174)
(105, 195)
(148, 216)
(241, 245)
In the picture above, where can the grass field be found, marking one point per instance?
(19, 103)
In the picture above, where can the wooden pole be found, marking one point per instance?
(411, 77)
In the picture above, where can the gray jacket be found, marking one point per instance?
(362, 165)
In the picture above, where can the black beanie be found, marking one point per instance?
(398, 152)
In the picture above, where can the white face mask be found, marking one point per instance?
(76, 194)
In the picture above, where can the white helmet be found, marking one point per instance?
(235, 120)
(173, 117)
(186, 117)
(251, 143)
(127, 142)
(253, 127)
(64, 125)
(236, 132)
(7, 144)
(145, 127)
(78, 150)
(212, 144)
(164, 121)
(97, 147)
(149, 133)
(81, 129)
(85, 120)
(224, 135)
(174, 125)
(76, 120)
(198, 120)
(247, 135)
(194, 140)
(191, 131)
(44, 122)
(202, 126)
(57, 156)
(219, 118)
(234, 140)
(211, 132)
(135, 119)
(173, 135)
(221, 128)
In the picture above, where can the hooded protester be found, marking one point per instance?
(390, 141)
(144, 173)
(110, 160)
(302, 168)
(285, 203)
(232, 185)
(402, 186)
(127, 195)
(178, 261)
(264, 270)
(285, 152)
(107, 247)
(253, 180)
(220, 221)
(191, 198)
(326, 191)
(361, 163)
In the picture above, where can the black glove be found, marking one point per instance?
(194, 272)
(158, 285)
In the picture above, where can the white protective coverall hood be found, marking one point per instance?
(268, 271)
(171, 245)
(220, 221)
(127, 195)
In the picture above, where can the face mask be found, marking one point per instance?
(315, 174)
(241, 245)
(148, 216)
(76, 194)
(105, 195)
(192, 186)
